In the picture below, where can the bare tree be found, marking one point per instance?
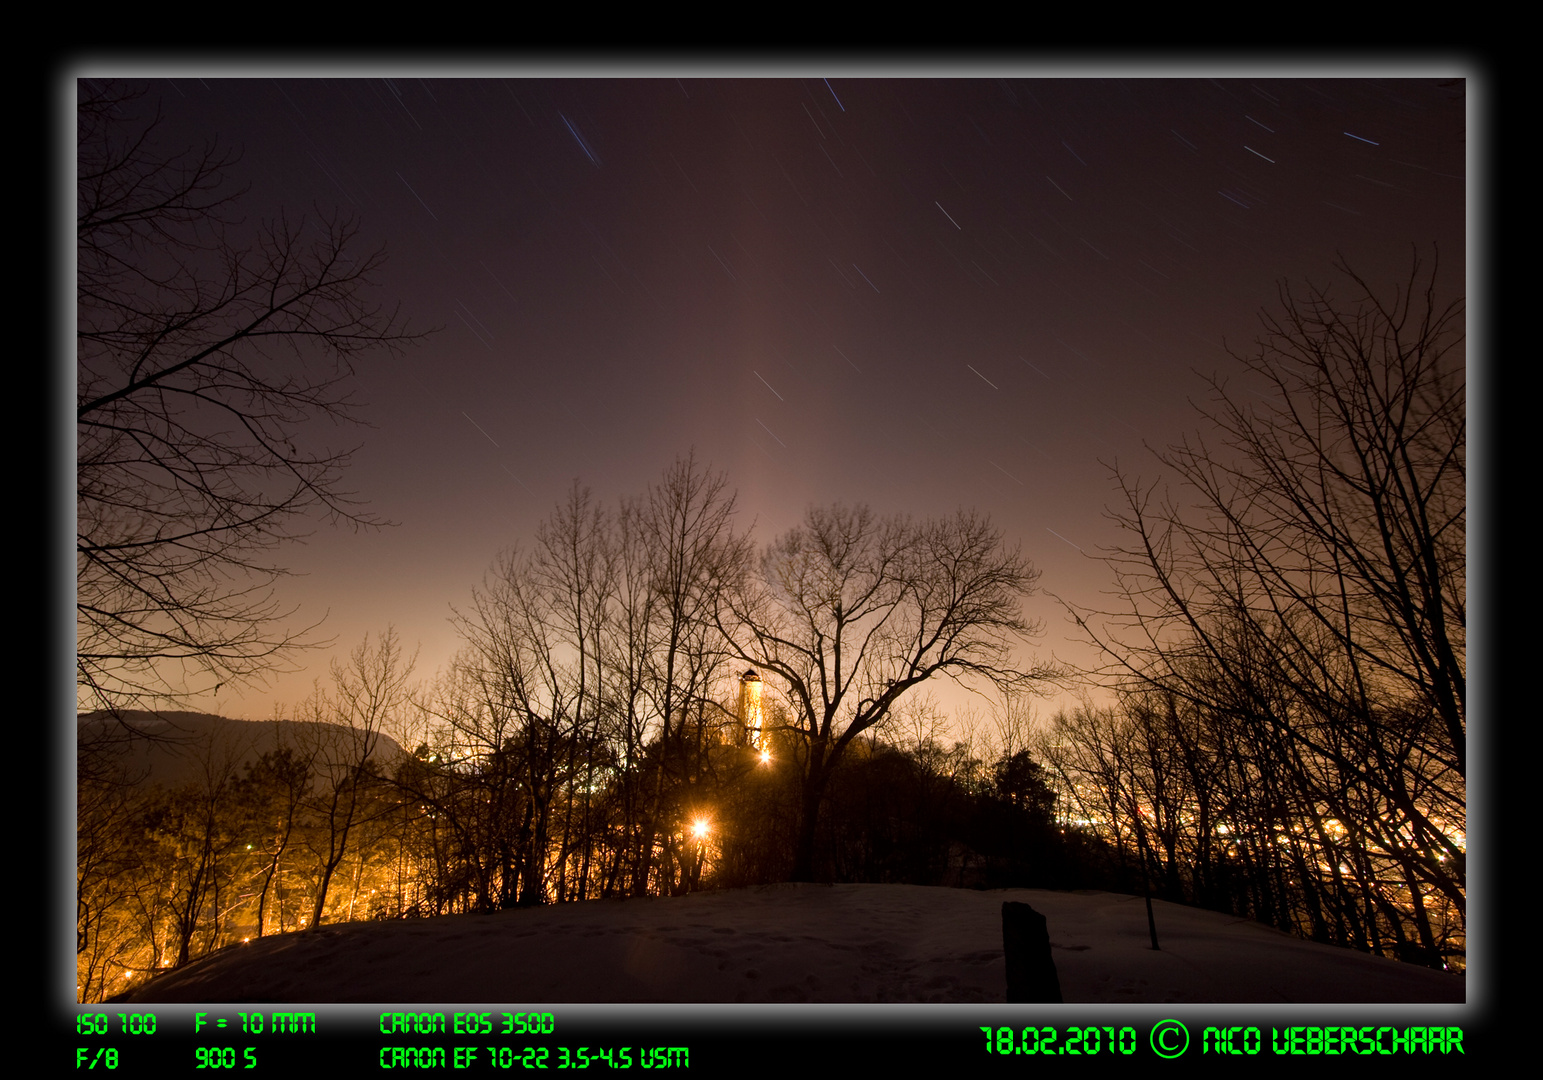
(533, 634)
(679, 548)
(585, 655)
(205, 349)
(850, 611)
(1310, 586)
(340, 740)
(274, 790)
(111, 850)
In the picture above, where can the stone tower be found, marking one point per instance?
(750, 714)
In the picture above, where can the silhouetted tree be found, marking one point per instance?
(850, 611)
(678, 550)
(204, 349)
(533, 679)
(110, 851)
(340, 741)
(272, 794)
(1305, 603)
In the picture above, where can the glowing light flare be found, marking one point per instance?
(700, 828)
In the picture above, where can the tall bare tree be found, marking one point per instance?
(206, 349)
(584, 655)
(680, 544)
(1311, 582)
(274, 792)
(343, 733)
(850, 611)
(534, 636)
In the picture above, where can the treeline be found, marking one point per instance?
(325, 828)
(169, 872)
(1290, 642)
(588, 740)
(1221, 808)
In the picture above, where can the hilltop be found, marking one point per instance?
(796, 943)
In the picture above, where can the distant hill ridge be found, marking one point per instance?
(174, 748)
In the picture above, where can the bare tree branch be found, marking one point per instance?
(204, 351)
(851, 611)
(1311, 586)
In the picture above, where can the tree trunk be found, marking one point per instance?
(813, 794)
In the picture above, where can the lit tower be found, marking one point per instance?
(750, 707)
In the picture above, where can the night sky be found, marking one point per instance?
(917, 293)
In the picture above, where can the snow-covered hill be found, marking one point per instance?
(797, 943)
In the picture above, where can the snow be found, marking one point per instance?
(798, 944)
